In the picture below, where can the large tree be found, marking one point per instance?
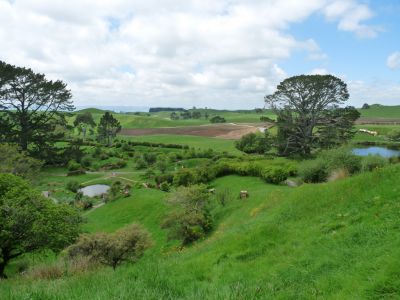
(83, 121)
(32, 107)
(108, 127)
(29, 222)
(306, 103)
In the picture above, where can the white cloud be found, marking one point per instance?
(319, 71)
(219, 53)
(393, 61)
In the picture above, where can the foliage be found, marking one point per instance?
(365, 106)
(33, 109)
(394, 135)
(314, 171)
(73, 166)
(185, 177)
(254, 143)
(73, 186)
(108, 128)
(217, 119)
(164, 186)
(304, 102)
(29, 222)
(112, 249)
(341, 158)
(190, 219)
(373, 162)
(18, 162)
(83, 121)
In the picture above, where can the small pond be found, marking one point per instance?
(382, 151)
(94, 190)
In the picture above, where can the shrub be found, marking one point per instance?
(73, 186)
(254, 143)
(394, 135)
(112, 249)
(140, 163)
(342, 159)
(165, 187)
(372, 162)
(164, 178)
(73, 166)
(190, 219)
(217, 119)
(314, 171)
(274, 174)
(185, 177)
(86, 161)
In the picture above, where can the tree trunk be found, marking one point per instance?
(2, 268)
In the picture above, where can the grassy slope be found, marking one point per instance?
(333, 241)
(381, 111)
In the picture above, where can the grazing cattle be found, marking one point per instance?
(244, 194)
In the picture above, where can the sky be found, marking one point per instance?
(204, 53)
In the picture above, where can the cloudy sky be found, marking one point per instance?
(214, 53)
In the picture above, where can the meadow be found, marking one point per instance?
(333, 241)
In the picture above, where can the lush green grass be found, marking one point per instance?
(197, 142)
(338, 240)
(381, 111)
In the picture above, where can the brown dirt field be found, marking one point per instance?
(224, 131)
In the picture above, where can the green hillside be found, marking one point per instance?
(381, 111)
(337, 240)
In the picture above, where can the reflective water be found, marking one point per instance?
(94, 190)
(382, 151)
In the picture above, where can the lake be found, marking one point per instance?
(382, 151)
(94, 190)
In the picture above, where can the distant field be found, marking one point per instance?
(192, 141)
(381, 111)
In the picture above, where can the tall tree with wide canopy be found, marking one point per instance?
(29, 222)
(305, 103)
(108, 127)
(32, 107)
(83, 121)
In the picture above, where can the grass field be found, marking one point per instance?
(381, 111)
(330, 241)
(197, 142)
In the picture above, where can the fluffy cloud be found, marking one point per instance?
(393, 61)
(219, 53)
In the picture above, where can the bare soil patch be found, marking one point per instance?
(224, 131)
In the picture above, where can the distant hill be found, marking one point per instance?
(381, 111)
(91, 110)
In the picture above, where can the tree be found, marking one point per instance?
(365, 106)
(174, 116)
(108, 127)
(29, 222)
(302, 104)
(112, 249)
(190, 218)
(83, 121)
(18, 163)
(255, 143)
(217, 119)
(196, 115)
(33, 107)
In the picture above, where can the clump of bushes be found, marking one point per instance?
(254, 143)
(217, 119)
(164, 186)
(190, 219)
(112, 249)
(373, 162)
(394, 135)
(73, 186)
(314, 171)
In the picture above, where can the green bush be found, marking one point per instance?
(254, 143)
(73, 186)
(164, 186)
(217, 119)
(314, 171)
(274, 174)
(140, 163)
(73, 166)
(372, 162)
(394, 135)
(86, 161)
(112, 249)
(341, 159)
(190, 218)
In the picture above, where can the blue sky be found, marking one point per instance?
(214, 53)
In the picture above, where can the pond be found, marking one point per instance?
(94, 190)
(382, 151)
